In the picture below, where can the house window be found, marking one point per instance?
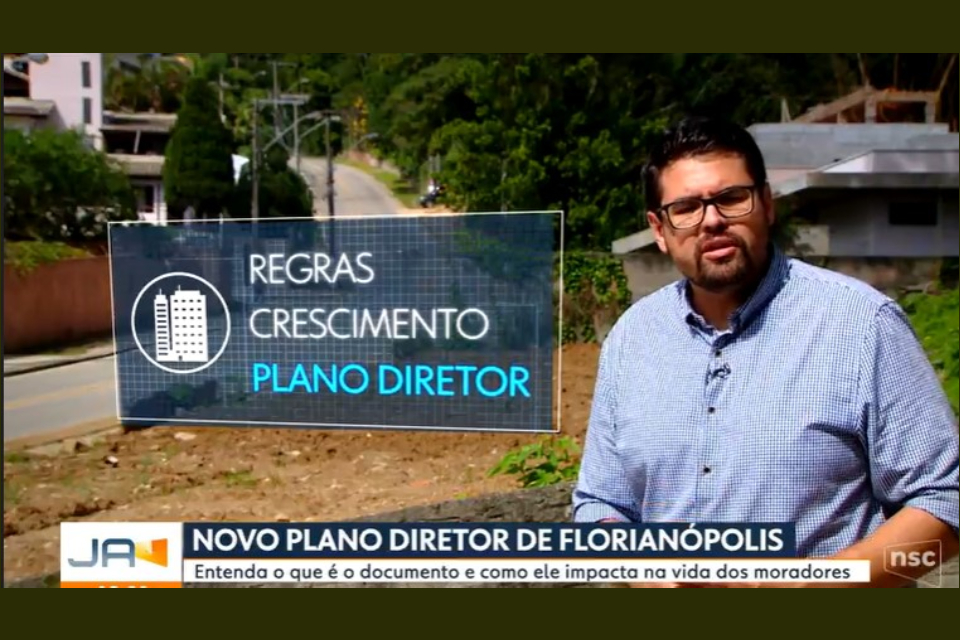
(87, 111)
(913, 214)
(85, 73)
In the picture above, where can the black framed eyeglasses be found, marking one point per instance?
(687, 213)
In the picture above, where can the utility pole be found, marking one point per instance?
(254, 177)
(329, 169)
(276, 94)
(296, 134)
(294, 100)
(333, 231)
(277, 98)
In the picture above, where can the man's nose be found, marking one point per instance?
(712, 218)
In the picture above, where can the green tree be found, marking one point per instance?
(55, 187)
(558, 131)
(283, 192)
(198, 170)
(157, 85)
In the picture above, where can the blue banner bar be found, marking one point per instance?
(486, 540)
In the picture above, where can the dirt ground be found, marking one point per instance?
(220, 474)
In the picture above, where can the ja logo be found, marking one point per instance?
(181, 323)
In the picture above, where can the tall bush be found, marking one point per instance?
(283, 193)
(57, 188)
(935, 318)
(198, 168)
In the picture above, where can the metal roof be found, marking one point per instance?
(868, 180)
(808, 146)
(633, 242)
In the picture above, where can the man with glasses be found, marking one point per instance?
(763, 389)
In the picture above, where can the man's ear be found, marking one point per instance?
(657, 226)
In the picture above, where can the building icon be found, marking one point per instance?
(180, 322)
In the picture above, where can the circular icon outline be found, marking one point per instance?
(136, 337)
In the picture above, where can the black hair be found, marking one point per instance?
(695, 136)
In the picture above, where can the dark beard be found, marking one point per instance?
(731, 275)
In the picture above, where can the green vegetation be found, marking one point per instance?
(198, 170)
(283, 192)
(57, 188)
(536, 131)
(935, 318)
(243, 478)
(595, 288)
(28, 255)
(949, 272)
(158, 86)
(547, 462)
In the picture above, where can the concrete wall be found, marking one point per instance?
(647, 272)
(56, 303)
(69, 301)
(860, 226)
(60, 80)
(886, 274)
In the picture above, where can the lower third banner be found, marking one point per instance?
(151, 555)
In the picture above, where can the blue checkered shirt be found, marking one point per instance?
(818, 406)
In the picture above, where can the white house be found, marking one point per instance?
(865, 190)
(878, 201)
(137, 141)
(65, 91)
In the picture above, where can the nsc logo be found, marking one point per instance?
(112, 555)
(187, 325)
(912, 559)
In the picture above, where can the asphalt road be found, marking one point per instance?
(54, 400)
(355, 192)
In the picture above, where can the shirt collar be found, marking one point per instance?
(770, 286)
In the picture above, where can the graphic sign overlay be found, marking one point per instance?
(435, 321)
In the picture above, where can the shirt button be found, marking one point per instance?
(707, 470)
(712, 410)
(719, 353)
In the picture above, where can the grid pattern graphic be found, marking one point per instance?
(427, 322)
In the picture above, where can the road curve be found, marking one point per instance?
(356, 193)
